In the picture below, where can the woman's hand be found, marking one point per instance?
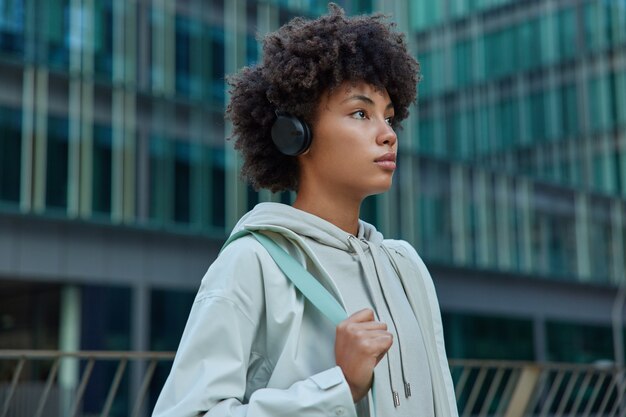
(360, 344)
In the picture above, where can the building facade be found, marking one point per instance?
(117, 186)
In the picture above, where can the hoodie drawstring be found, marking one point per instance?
(378, 299)
(375, 257)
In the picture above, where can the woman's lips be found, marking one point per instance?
(387, 161)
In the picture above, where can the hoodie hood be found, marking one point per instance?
(277, 216)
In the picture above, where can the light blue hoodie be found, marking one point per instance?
(254, 347)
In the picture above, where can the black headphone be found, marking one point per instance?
(291, 135)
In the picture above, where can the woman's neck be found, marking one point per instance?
(339, 210)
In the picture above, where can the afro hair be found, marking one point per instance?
(301, 61)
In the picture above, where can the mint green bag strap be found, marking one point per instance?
(306, 283)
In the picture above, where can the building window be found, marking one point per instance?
(620, 97)
(499, 61)
(252, 45)
(218, 68)
(10, 154)
(369, 210)
(601, 237)
(425, 14)
(483, 337)
(186, 183)
(459, 9)
(578, 343)
(600, 104)
(553, 235)
(362, 6)
(183, 55)
(616, 10)
(483, 130)
(433, 211)
(57, 162)
(463, 63)
(55, 16)
(426, 136)
(597, 26)
(537, 118)
(102, 159)
(529, 39)
(169, 310)
(29, 315)
(105, 318)
(103, 39)
(12, 27)
(252, 197)
(161, 176)
(427, 84)
(567, 41)
(105, 325)
(569, 110)
(252, 50)
(182, 181)
(217, 158)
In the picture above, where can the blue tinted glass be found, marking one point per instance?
(252, 197)
(160, 179)
(169, 310)
(426, 136)
(182, 178)
(483, 337)
(252, 50)
(183, 56)
(569, 110)
(567, 42)
(56, 26)
(218, 186)
(369, 210)
(103, 39)
(217, 64)
(57, 162)
(12, 27)
(102, 170)
(577, 343)
(10, 153)
(105, 325)
(463, 63)
(426, 68)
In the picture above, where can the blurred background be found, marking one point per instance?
(117, 186)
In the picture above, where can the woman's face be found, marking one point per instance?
(354, 146)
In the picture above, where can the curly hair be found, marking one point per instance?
(301, 61)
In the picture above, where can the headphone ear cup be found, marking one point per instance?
(291, 135)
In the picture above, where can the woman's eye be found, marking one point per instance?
(360, 114)
(389, 121)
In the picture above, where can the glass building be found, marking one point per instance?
(117, 186)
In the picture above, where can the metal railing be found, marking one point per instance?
(52, 383)
(24, 391)
(525, 389)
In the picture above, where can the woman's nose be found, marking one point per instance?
(387, 136)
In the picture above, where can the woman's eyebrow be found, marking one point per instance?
(367, 100)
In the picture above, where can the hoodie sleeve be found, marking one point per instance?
(213, 368)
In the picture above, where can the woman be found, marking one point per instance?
(317, 116)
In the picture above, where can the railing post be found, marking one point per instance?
(15, 379)
(523, 391)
